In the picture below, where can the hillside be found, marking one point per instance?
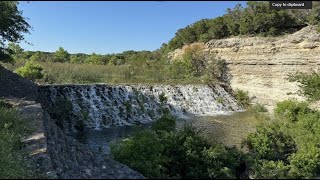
(260, 65)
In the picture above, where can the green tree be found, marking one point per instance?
(61, 55)
(17, 51)
(31, 71)
(94, 59)
(12, 28)
(37, 57)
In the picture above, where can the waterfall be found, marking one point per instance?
(105, 105)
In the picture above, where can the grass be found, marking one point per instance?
(67, 73)
(13, 163)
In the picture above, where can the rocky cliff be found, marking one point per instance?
(260, 65)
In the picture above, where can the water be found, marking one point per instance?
(100, 139)
(104, 105)
(227, 129)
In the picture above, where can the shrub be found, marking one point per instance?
(309, 84)
(266, 169)
(291, 109)
(258, 108)
(305, 164)
(163, 98)
(176, 154)
(242, 98)
(31, 71)
(166, 123)
(270, 143)
(141, 152)
(220, 100)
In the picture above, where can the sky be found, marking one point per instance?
(111, 27)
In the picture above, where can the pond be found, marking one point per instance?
(227, 129)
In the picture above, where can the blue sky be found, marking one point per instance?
(112, 27)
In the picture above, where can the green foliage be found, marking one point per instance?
(128, 107)
(270, 143)
(242, 98)
(142, 152)
(220, 100)
(166, 123)
(61, 55)
(163, 98)
(12, 28)
(305, 164)
(255, 19)
(259, 108)
(31, 71)
(265, 169)
(199, 65)
(287, 147)
(291, 109)
(161, 152)
(309, 84)
(13, 164)
(215, 70)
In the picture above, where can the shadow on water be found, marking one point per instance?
(101, 139)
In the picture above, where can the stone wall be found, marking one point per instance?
(260, 65)
(49, 148)
(72, 159)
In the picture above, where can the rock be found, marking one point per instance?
(262, 64)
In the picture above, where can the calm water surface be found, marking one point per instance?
(227, 129)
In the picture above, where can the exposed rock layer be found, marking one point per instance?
(261, 65)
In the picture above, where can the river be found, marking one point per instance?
(227, 129)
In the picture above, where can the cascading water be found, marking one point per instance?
(105, 105)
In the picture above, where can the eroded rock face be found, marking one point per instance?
(261, 65)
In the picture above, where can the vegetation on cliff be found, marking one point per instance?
(255, 19)
(309, 84)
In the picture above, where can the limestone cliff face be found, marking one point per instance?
(260, 65)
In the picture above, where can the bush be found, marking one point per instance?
(166, 123)
(242, 98)
(270, 143)
(286, 149)
(162, 98)
(31, 71)
(258, 108)
(305, 164)
(309, 84)
(266, 169)
(291, 109)
(141, 152)
(176, 154)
